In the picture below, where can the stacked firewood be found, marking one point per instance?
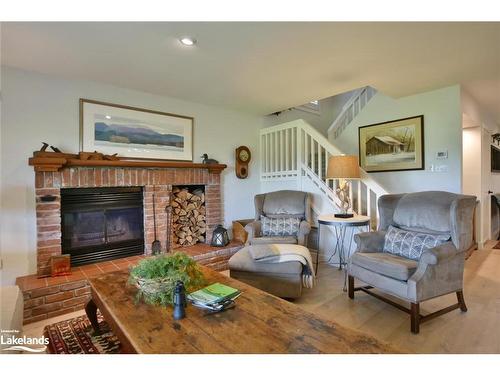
(188, 217)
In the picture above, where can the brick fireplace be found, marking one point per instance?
(159, 181)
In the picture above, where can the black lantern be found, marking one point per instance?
(180, 301)
(219, 236)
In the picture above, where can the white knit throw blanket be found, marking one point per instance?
(280, 253)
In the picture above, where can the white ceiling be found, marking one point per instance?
(260, 67)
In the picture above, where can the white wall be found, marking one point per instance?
(476, 113)
(471, 161)
(477, 157)
(442, 132)
(473, 110)
(268, 186)
(329, 110)
(40, 108)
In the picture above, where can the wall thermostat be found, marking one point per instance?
(442, 154)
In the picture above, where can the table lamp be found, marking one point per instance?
(343, 168)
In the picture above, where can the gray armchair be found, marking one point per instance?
(439, 270)
(281, 204)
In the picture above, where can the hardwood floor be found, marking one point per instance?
(476, 331)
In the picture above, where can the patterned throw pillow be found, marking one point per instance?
(279, 226)
(410, 244)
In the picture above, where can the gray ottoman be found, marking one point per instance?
(280, 279)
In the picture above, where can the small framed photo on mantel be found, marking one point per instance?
(134, 133)
(396, 145)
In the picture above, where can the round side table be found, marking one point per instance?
(341, 225)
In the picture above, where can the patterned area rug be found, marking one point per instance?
(75, 336)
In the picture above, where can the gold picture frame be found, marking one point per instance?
(391, 146)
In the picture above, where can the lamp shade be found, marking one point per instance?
(343, 166)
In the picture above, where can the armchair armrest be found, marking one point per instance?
(254, 229)
(304, 229)
(370, 242)
(440, 271)
(439, 253)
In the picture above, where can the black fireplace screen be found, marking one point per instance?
(102, 223)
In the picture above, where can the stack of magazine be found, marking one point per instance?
(215, 297)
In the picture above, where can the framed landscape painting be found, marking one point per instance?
(134, 132)
(396, 145)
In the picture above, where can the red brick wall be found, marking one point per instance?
(160, 181)
(56, 300)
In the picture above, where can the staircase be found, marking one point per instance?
(350, 110)
(295, 151)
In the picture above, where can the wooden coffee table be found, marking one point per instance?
(260, 323)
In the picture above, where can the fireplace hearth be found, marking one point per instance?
(99, 224)
(50, 186)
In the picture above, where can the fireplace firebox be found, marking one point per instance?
(101, 224)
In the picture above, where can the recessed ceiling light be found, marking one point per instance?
(108, 117)
(187, 41)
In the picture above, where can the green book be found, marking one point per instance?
(213, 294)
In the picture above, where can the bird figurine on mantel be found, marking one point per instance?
(206, 160)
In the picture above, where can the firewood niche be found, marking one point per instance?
(188, 215)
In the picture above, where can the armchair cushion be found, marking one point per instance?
(370, 242)
(279, 226)
(386, 264)
(285, 203)
(429, 211)
(411, 244)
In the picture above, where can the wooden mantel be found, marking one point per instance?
(55, 161)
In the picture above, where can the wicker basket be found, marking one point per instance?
(153, 286)
(156, 277)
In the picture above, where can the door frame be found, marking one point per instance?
(486, 186)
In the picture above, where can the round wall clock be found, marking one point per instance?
(243, 157)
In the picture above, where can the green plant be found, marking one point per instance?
(156, 277)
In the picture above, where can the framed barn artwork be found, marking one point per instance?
(396, 145)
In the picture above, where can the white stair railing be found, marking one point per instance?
(278, 147)
(295, 150)
(350, 110)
